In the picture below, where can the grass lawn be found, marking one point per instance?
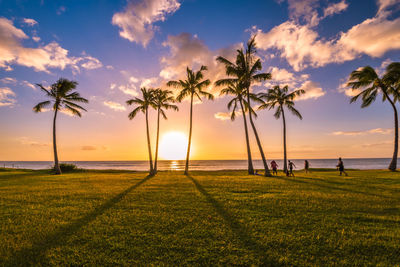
(209, 218)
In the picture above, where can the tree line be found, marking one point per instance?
(241, 75)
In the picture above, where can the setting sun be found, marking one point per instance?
(173, 146)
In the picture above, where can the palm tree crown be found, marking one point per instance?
(281, 97)
(62, 97)
(194, 85)
(142, 104)
(163, 100)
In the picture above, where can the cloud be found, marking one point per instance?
(29, 142)
(335, 8)
(134, 83)
(90, 63)
(385, 143)
(189, 51)
(372, 131)
(42, 58)
(30, 22)
(302, 46)
(136, 21)
(7, 97)
(8, 80)
(28, 84)
(313, 90)
(114, 105)
(88, 148)
(223, 116)
(282, 77)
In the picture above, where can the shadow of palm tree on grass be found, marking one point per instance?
(36, 253)
(238, 229)
(297, 180)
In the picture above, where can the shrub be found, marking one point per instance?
(67, 167)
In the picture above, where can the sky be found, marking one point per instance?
(112, 48)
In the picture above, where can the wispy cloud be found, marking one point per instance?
(30, 22)
(30, 142)
(7, 97)
(136, 21)
(8, 80)
(371, 131)
(114, 105)
(41, 58)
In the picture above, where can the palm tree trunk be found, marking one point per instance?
(158, 134)
(393, 163)
(190, 136)
(266, 170)
(148, 142)
(56, 165)
(250, 168)
(284, 142)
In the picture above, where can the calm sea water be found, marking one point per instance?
(361, 163)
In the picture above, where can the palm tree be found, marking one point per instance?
(61, 97)
(246, 71)
(143, 106)
(281, 98)
(234, 89)
(163, 99)
(371, 84)
(193, 86)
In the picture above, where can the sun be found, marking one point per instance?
(173, 146)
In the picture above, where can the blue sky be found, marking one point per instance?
(113, 47)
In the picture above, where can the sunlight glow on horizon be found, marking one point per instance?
(173, 146)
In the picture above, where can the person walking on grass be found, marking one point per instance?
(340, 167)
(306, 166)
(274, 167)
(291, 166)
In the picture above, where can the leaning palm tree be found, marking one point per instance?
(239, 93)
(281, 98)
(143, 106)
(163, 99)
(61, 97)
(246, 71)
(193, 86)
(371, 84)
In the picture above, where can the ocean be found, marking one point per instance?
(178, 165)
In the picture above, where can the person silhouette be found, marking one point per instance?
(306, 166)
(340, 167)
(274, 167)
(291, 166)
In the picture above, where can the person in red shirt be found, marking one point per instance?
(274, 167)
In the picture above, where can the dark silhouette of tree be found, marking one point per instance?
(281, 98)
(143, 106)
(193, 86)
(246, 71)
(370, 84)
(61, 97)
(163, 100)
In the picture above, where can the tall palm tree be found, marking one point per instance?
(163, 99)
(192, 87)
(246, 71)
(281, 98)
(238, 93)
(61, 97)
(371, 84)
(143, 106)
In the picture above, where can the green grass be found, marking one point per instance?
(209, 218)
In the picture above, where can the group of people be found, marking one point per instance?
(291, 166)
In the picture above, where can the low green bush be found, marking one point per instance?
(67, 167)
